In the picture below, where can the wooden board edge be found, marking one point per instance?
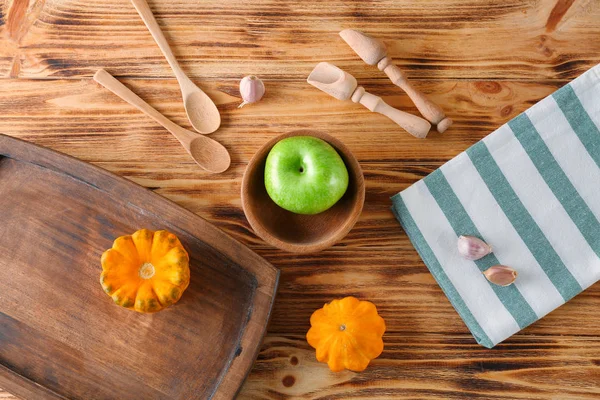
(267, 275)
(255, 331)
(23, 387)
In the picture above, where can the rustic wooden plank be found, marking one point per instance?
(221, 39)
(433, 367)
(442, 45)
(78, 116)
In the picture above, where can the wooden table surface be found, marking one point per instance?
(483, 61)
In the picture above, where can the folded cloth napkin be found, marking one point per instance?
(530, 189)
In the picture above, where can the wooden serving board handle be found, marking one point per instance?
(414, 125)
(431, 111)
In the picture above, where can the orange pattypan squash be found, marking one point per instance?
(347, 334)
(146, 271)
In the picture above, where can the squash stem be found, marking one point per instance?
(147, 271)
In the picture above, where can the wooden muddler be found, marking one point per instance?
(343, 86)
(374, 52)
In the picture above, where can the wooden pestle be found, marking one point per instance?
(343, 86)
(374, 52)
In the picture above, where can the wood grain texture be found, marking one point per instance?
(441, 367)
(483, 62)
(444, 39)
(76, 116)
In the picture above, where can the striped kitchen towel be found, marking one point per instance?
(530, 189)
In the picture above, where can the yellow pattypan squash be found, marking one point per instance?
(347, 334)
(146, 271)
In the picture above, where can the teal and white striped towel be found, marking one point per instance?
(531, 189)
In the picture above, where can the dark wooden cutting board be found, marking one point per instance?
(60, 334)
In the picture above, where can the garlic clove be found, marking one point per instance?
(500, 275)
(252, 90)
(473, 248)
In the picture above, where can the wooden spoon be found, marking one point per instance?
(208, 153)
(374, 52)
(201, 111)
(343, 86)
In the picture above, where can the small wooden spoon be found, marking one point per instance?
(201, 111)
(208, 153)
(343, 86)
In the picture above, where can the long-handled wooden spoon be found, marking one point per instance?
(374, 52)
(201, 111)
(343, 86)
(208, 153)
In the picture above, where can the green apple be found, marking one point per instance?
(305, 175)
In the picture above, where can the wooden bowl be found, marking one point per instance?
(298, 233)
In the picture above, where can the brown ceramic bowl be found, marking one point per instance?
(294, 232)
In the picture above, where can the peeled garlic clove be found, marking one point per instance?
(473, 248)
(252, 90)
(500, 275)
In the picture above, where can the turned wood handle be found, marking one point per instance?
(414, 125)
(146, 14)
(431, 111)
(112, 84)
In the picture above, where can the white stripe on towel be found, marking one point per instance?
(577, 164)
(568, 151)
(540, 202)
(497, 230)
(470, 283)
